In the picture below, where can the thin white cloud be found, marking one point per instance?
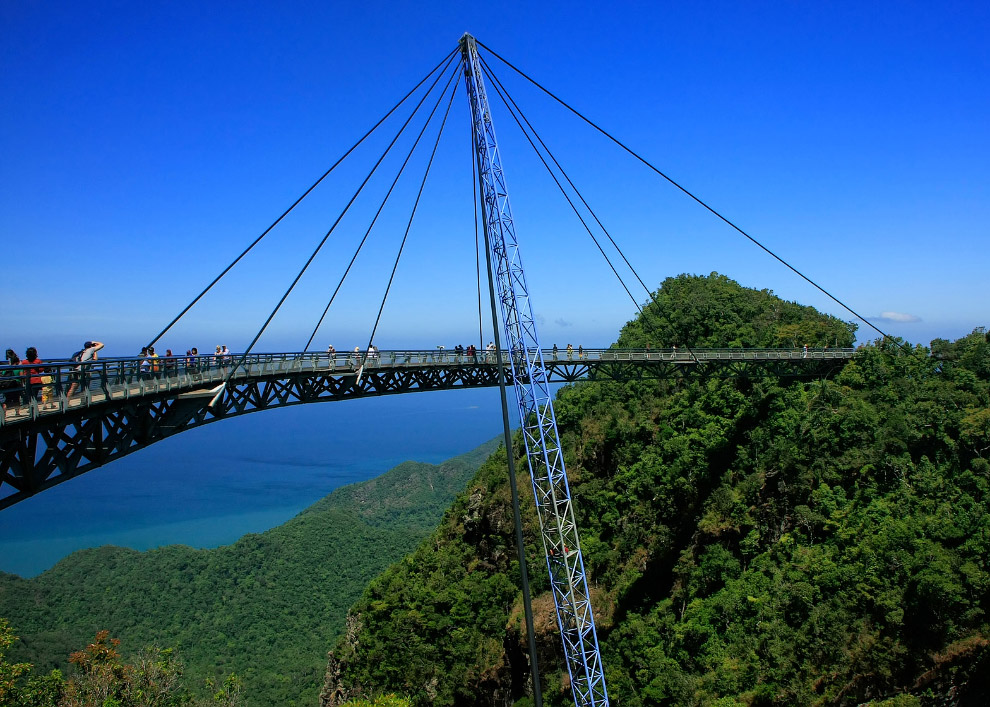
(898, 318)
(562, 322)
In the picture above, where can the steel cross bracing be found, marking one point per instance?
(543, 450)
(120, 408)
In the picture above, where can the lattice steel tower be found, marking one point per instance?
(529, 375)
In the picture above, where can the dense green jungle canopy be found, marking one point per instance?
(748, 541)
(265, 608)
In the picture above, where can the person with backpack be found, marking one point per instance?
(11, 383)
(79, 378)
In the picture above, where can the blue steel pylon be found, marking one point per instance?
(543, 452)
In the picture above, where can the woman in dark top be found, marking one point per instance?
(11, 383)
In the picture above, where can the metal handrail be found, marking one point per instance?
(106, 379)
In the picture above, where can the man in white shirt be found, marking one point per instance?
(80, 373)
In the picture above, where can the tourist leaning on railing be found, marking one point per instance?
(79, 376)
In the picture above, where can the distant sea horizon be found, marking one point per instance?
(209, 486)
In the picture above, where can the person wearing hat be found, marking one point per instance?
(80, 377)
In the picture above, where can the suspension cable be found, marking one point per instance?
(685, 191)
(498, 90)
(380, 209)
(319, 246)
(503, 94)
(285, 213)
(577, 191)
(412, 215)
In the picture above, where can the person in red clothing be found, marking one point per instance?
(34, 373)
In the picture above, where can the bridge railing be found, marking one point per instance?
(723, 354)
(52, 387)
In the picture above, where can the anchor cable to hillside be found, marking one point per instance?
(381, 207)
(443, 62)
(343, 212)
(683, 189)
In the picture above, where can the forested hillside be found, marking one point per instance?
(749, 541)
(265, 608)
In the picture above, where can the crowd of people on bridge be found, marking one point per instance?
(570, 351)
(33, 380)
(25, 379)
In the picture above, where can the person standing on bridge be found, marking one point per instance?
(80, 374)
(144, 366)
(12, 384)
(34, 373)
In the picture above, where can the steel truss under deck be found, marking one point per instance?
(529, 372)
(120, 413)
(36, 454)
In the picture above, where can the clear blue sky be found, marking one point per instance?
(144, 144)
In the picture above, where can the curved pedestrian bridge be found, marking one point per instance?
(75, 417)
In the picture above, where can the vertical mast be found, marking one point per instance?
(543, 451)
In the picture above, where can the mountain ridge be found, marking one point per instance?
(230, 608)
(747, 541)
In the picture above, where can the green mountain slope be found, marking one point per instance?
(266, 607)
(749, 542)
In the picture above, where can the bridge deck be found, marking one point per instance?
(121, 405)
(109, 380)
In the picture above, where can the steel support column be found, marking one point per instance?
(529, 373)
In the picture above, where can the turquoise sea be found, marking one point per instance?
(211, 485)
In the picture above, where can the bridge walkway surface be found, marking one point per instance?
(118, 406)
(123, 379)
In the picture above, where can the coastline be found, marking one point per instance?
(208, 487)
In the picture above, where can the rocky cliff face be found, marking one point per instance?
(334, 692)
